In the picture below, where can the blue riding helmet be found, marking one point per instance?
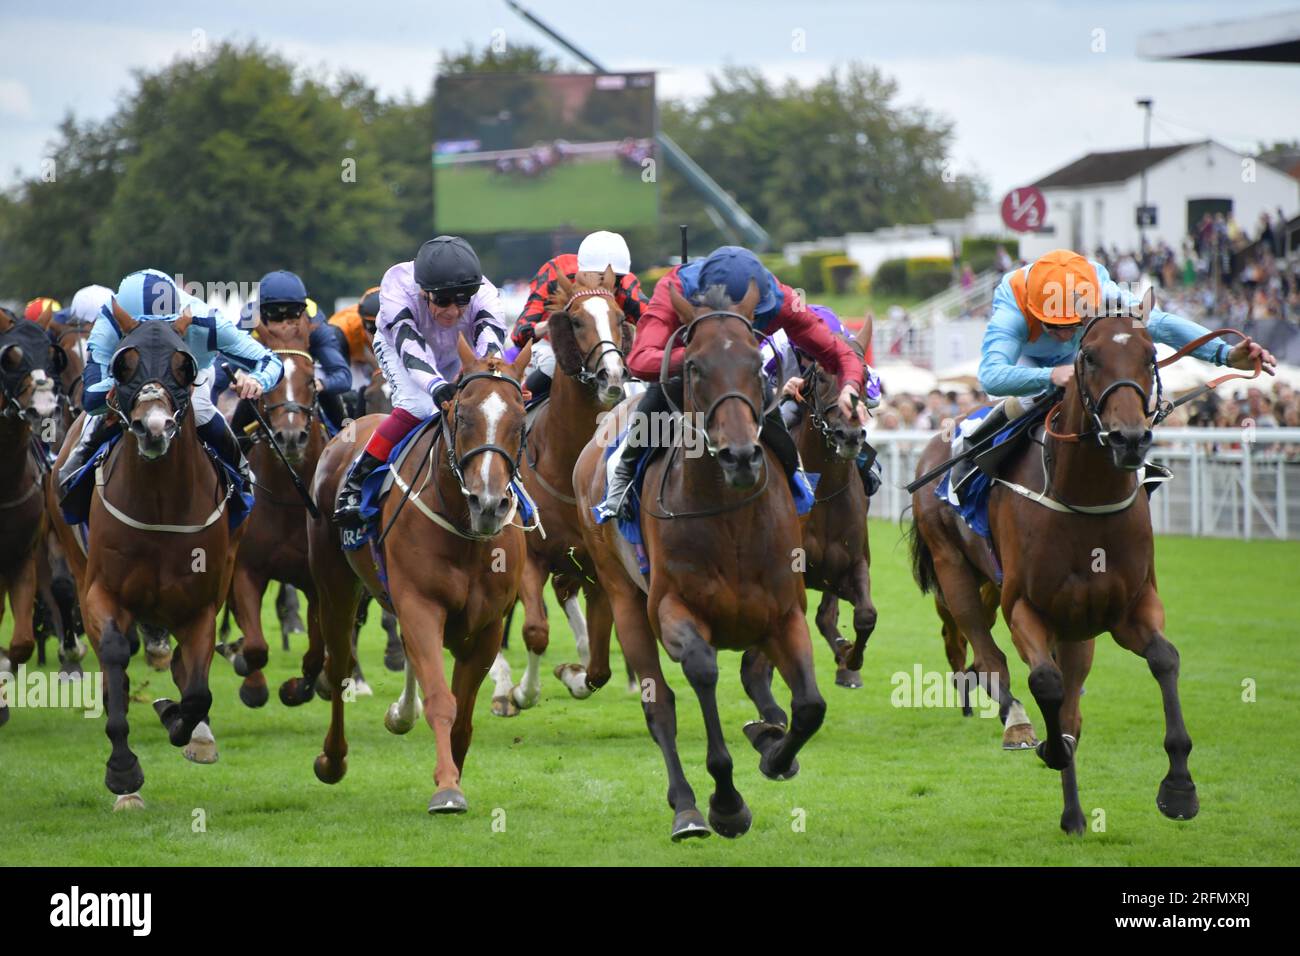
(734, 267)
(281, 286)
(149, 294)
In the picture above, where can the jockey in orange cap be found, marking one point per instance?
(1039, 313)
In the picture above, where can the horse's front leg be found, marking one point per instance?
(423, 622)
(536, 631)
(22, 598)
(790, 649)
(106, 623)
(1075, 660)
(330, 619)
(864, 616)
(187, 721)
(685, 637)
(246, 593)
(466, 678)
(1033, 639)
(1143, 634)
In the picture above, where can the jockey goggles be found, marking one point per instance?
(282, 311)
(459, 295)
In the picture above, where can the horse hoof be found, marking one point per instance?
(395, 661)
(765, 768)
(730, 825)
(574, 677)
(125, 782)
(1177, 803)
(448, 800)
(240, 663)
(70, 671)
(158, 659)
(327, 771)
(689, 824)
(396, 722)
(255, 694)
(1057, 761)
(847, 678)
(360, 688)
(503, 706)
(128, 801)
(4, 716)
(523, 700)
(201, 751)
(1072, 822)
(1019, 737)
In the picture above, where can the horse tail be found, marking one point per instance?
(922, 560)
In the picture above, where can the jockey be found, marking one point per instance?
(356, 323)
(149, 295)
(785, 371)
(778, 309)
(425, 306)
(282, 297)
(598, 251)
(87, 304)
(36, 307)
(1039, 313)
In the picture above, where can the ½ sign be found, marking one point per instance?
(1024, 210)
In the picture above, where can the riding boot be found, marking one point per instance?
(217, 433)
(539, 384)
(791, 413)
(347, 513)
(989, 425)
(869, 470)
(618, 503)
(332, 410)
(96, 430)
(776, 437)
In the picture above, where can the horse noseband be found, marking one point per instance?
(457, 465)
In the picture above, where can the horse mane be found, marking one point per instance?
(715, 297)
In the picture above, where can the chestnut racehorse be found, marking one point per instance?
(24, 357)
(590, 337)
(160, 551)
(275, 547)
(721, 535)
(1057, 507)
(453, 558)
(835, 533)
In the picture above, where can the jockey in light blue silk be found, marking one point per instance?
(150, 295)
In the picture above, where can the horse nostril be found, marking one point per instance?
(503, 506)
(726, 456)
(474, 502)
(755, 455)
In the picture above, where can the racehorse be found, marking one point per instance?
(1060, 505)
(275, 546)
(451, 560)
(24, 356)
(836, 548)
(159, 551)
(721, 536)
(589, 337)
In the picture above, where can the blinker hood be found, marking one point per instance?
(155, 342)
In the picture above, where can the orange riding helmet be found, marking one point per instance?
(1061, 288)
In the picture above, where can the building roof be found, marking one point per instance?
(1270, 39)
(1114, 167)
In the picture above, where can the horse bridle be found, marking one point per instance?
(585, 375)
(684, 332)
(307, 410)
(449, 431)
(1093, 407)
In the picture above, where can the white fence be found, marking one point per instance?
(1228, 482)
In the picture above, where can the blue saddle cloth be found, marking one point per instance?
(973, 497)
(375, 488)
(238, 508)
(802, 486)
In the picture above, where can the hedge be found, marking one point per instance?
(929, 276)
(891, 277)
(980, 251)
(810, 270)
(839, 275)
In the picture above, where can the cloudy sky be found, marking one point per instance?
(1021, 80)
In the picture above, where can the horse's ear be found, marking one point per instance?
(564, 343)
(559, 298)
(1146, 305)
(864, 333)
(468, 360)
(520, 365)
(7, 320)
(47, 314)
(608, 280)
(746, 305)
(123, 318)
(683, 308)
(182, 324)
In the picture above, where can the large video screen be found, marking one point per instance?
(544, 151)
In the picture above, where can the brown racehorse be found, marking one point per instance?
(275, 547)
(590, 337)
(453, 561)
(160, 551)
(721, 536)
(835, 532)
(1055, 595)
(24, 356)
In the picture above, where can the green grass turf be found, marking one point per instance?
(580, 782)
(601, 194)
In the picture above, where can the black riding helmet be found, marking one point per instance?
(449, 268)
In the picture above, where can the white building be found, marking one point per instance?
(1095, 200)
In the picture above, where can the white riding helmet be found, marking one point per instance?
(602, 249)
(88, 302)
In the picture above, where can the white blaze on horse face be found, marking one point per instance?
(289, 370)
(494, 406)
(155, 420)
(598, 308)
(1121, 337)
